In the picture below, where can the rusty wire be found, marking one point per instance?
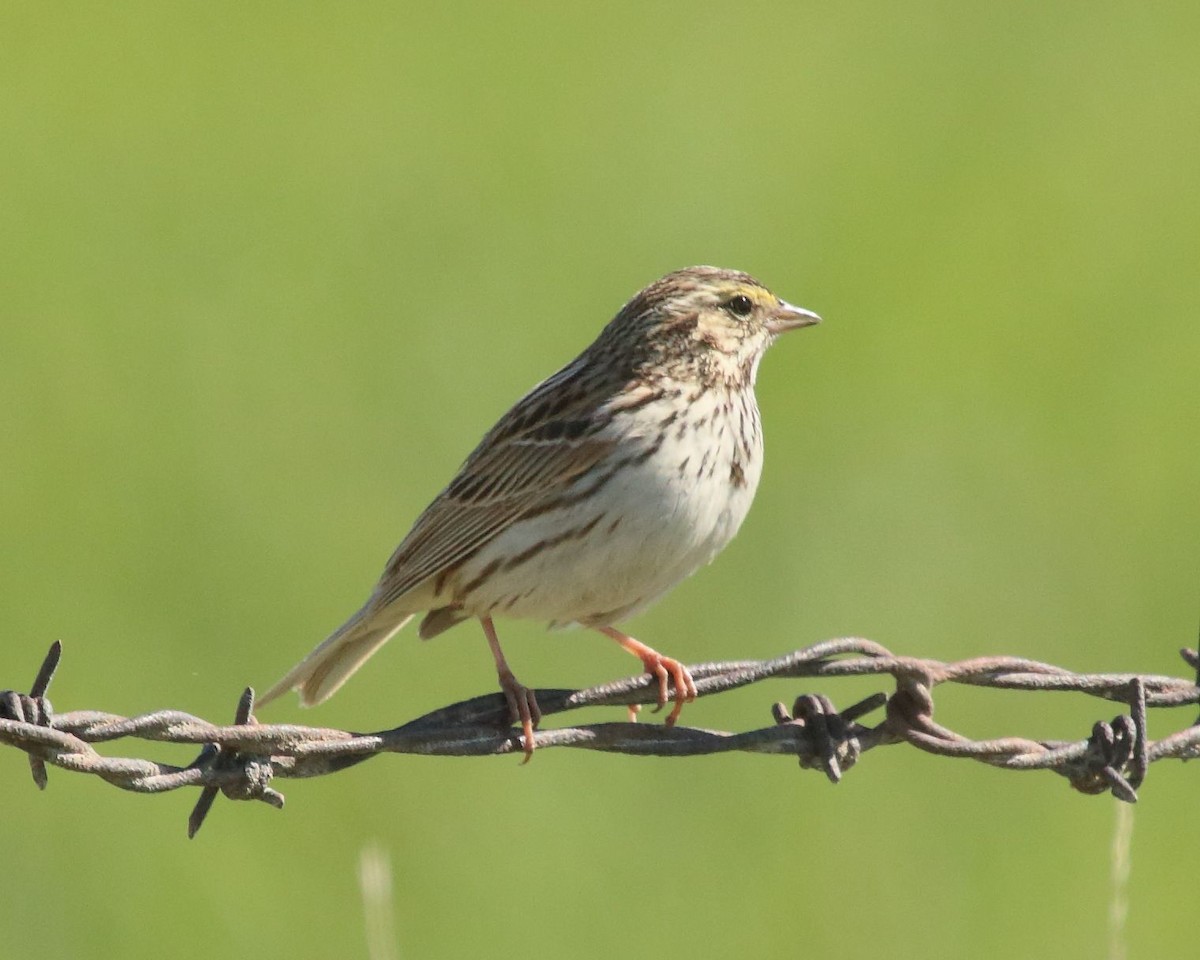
(241, 760)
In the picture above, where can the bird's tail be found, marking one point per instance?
(318, 676)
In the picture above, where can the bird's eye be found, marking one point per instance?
(740, 306)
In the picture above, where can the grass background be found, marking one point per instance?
(268, 273)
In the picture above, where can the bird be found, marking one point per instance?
(598, 491)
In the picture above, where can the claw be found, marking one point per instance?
(666, 669)
(522, 704)
(523, 709)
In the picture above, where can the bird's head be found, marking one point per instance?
(702, 323)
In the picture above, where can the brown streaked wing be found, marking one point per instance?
(514, 469)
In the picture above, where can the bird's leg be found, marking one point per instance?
(661, 667)
(522, 704)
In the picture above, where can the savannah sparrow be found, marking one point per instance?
(601, 489)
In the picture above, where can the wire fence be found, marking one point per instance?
(242, 759)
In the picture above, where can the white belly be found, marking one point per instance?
(647, 528)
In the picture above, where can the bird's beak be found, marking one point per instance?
(788, 317)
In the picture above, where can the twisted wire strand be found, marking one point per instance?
(241, 759)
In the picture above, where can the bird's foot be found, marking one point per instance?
(523, 708)
(667, 670)
(522, 704)
(685, 687)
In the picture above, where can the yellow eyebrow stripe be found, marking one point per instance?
(761, 297)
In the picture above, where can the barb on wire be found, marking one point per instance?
(241, 760)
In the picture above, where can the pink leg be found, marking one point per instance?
(662, 667)
(522, 704)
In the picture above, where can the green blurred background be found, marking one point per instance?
(270, 270)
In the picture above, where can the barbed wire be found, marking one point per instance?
(241, 760)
